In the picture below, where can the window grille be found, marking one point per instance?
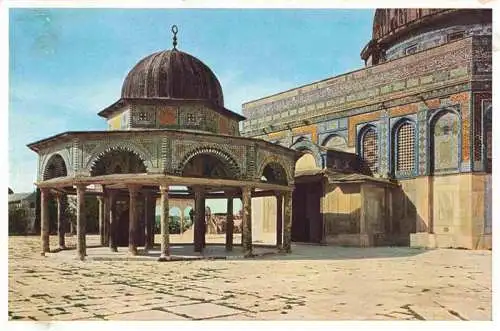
(370, 149)
(405, 148)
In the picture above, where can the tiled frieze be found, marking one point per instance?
(357, 89)
(403, 110)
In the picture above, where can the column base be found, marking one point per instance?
(164, 258)
(113, 249)
(132, 250)
(249, 255)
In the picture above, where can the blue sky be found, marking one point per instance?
(65, 65)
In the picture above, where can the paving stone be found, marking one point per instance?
(311, 283)
(146, 315)
(203, 310)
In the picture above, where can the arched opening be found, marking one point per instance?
(118, 161)
(176, 220)
(306, 197)
(336, 142)
(403, 149)
(56, 167)
(274, 173)
(445, 138)
(306, 162)
(368, 144)
(208, 166)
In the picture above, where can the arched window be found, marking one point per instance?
(369, 148)
(404, 149)
(445, 142)
(336, 142)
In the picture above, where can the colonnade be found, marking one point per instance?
(108, 220)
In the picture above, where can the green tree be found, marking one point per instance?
(174, 224)
(18, 221)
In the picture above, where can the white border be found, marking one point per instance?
(296, 325)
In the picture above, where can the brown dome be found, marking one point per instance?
(386, 21)
(172, 74)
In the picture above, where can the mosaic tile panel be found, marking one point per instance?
(422, 142)
(383, 166)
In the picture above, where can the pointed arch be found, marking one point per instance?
(404, 147)
(445, 137)
(98, 153)
(335, 141)
(54, 167)
(117, 160)
(368, 146)
(222, 164)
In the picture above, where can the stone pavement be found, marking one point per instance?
(312, 283)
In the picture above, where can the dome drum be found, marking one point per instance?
(172, 89)
(399, 32)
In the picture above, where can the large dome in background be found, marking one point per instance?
(172, 74)
(398, 32)
(387, 21)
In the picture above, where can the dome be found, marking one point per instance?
(399, 32)
(172, 74)
(386, 21)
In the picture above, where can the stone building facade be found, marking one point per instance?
(398, 152)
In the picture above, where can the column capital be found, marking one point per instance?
(133, 188)
(246, 190)
(58, 195)
(164, 188)
(231, 193)
(80, 187)
(278, 194)
(199, 189)
(100, 198)
(44, 190)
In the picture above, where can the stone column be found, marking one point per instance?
(101, 219)
(61, 224)
(229, 223)
(106, 218)
(279, 220)
(147, 224)
(44, 224)
(152, 221)
(246, 198)
(181, 225)
(199, 226)
(133, 219)
(81, 249)
(165, 240)
(287, 235)
(365, 233)
(112, 221)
